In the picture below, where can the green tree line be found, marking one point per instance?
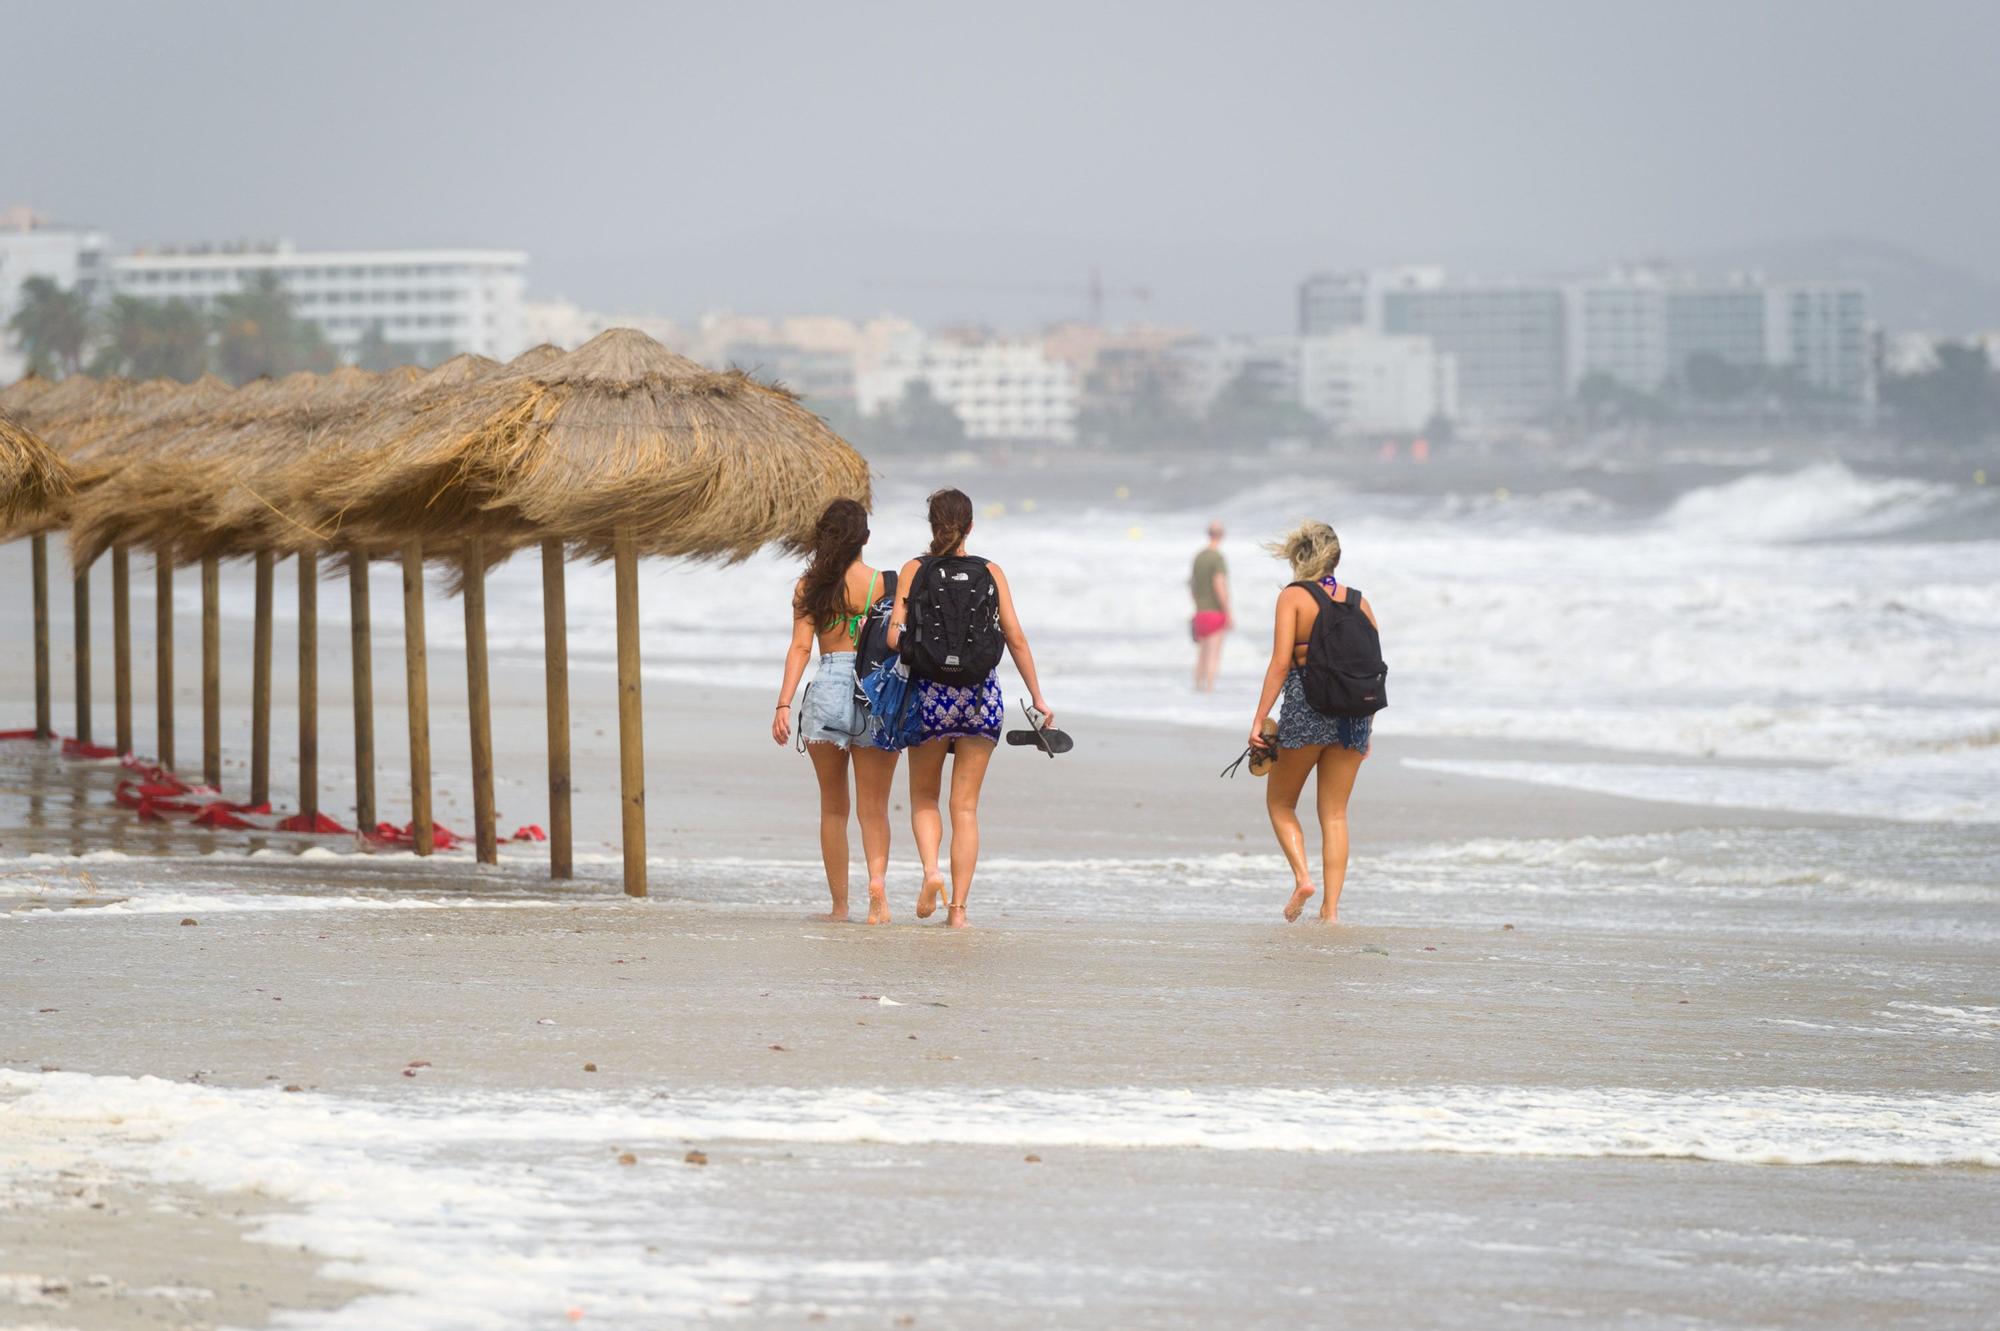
(249, 334)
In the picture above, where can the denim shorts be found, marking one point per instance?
(831, 713)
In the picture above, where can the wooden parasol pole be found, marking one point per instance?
(555, 659)
(45, 712)
(308, 567)
(80, 601)
(163, 657)
(211, 672)
(631, 727)
(364, 691)
(260, 684)
(418, 672)
(121, 648)
(479, 702)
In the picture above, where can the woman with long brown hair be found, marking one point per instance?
(960, 721)
(830, 607)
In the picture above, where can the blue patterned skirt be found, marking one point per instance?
(950, 711)
(1300, 727)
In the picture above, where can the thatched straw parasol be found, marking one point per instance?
(327, 501)
(622, 447)
(272, 504)
(80, 418)
(15, 397)
(200, 498)
(34, 482)
(112, 513)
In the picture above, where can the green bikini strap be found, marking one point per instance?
(855, 622)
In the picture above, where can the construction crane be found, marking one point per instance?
(1093, 292)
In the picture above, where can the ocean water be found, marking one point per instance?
(1833, 638)
(1802, 638)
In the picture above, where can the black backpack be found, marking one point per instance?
(873, 646)
(1345, 674)
(952, 634)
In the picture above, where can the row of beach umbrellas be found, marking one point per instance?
(616, 450)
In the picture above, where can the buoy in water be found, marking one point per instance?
(1122, 492)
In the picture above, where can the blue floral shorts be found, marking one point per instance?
(1300, 727)
(950, 711)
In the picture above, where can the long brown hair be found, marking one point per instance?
(951, 519)
(838, 536)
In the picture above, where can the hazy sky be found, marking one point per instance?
(937, 159)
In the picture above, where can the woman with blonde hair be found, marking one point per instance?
(831, 606)
(1310, 741)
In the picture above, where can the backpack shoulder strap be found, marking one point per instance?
(1316, 590)
(1354, 598)
(888, 585)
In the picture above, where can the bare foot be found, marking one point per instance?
(831, 916)
(1329, 912)
(927, 899)
(955, 918)
(878, 906)
(1300, 895)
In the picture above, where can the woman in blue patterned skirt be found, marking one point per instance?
(1308, 741)
(962, 723)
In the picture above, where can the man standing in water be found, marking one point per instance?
(1210, 585)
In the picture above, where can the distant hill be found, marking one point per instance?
(1907, 291)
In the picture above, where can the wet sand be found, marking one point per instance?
(1446, 1121)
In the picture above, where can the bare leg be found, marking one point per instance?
(874, 773)
(1207, 662)
(830, 766)
(1337, 769)
(968, 774)
(926, 778)
(1281, 801)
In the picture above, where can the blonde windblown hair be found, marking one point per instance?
(1312, 548)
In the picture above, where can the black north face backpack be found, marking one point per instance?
(1345, 674)
(952, 633)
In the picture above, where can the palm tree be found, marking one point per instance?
(153, 339)
(52, 323)
(258, 333)
(376, 351)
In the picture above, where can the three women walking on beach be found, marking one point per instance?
(951, 612)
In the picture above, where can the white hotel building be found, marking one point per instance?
(431, 304)
(30, 247)
(1357, 380)
(1000, 389)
